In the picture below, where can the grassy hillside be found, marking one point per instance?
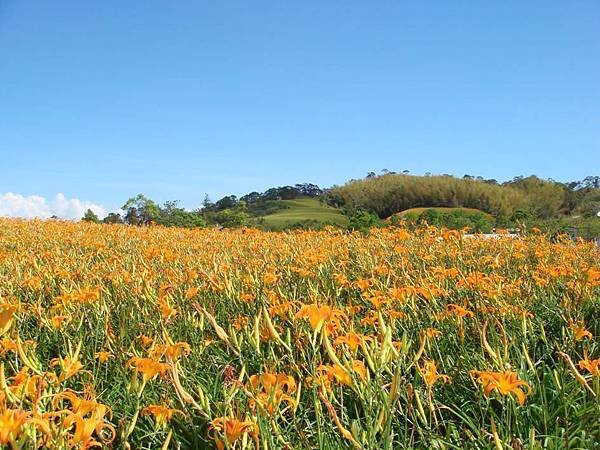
(303, 209)
(419, 211)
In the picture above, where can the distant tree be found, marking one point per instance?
(229, 201)
(169, 207)
(140, 210)
(90, 216)
(252, 197)
(207, 203)
(172, 215)
(288, 192)
(545, 198)
(309, 189)
(113, 218)
(283, 193)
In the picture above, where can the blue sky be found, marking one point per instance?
(102, 100)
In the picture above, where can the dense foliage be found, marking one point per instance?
(518, 204)
(142, 337)
(140, 210)
(390, 193)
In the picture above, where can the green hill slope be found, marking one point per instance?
(418, 211)
(304, 209)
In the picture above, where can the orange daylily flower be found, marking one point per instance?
(247, 297)
(430, 374)
(270, 278)
(271, 381)
(240, 322)
(376, 299)
(171, 351)
(166, 310)
(57, 321)
(432, 333)
(459, 310)
(7, 311)
(7, 345)
(591, 365)
(162, 414)
(82, 406)
(191, 292)
(174, 351)
(341, 279)
(270, 390)
(12, 422)
(103, 356)
(145, 340)
(504, 382)
(87, 295)
(232, 429)
(580, 332)
(34, 283)
(363, 284)
(450, 235)
(352, 340)
(26, 385)
(319, 315)
(326, 374)
(70, 366)
(148, 368)
(85, 428)
(402, 234)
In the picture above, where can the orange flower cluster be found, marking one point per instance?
(150, 332)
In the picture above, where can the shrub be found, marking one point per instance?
(363, 220)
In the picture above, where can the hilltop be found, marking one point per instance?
(303, 212)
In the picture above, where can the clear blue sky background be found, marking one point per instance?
(101, 100)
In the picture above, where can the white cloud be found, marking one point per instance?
(17, 205)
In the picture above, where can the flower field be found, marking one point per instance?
(149, 337)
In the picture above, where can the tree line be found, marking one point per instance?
(376, 199)
(229, 211)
